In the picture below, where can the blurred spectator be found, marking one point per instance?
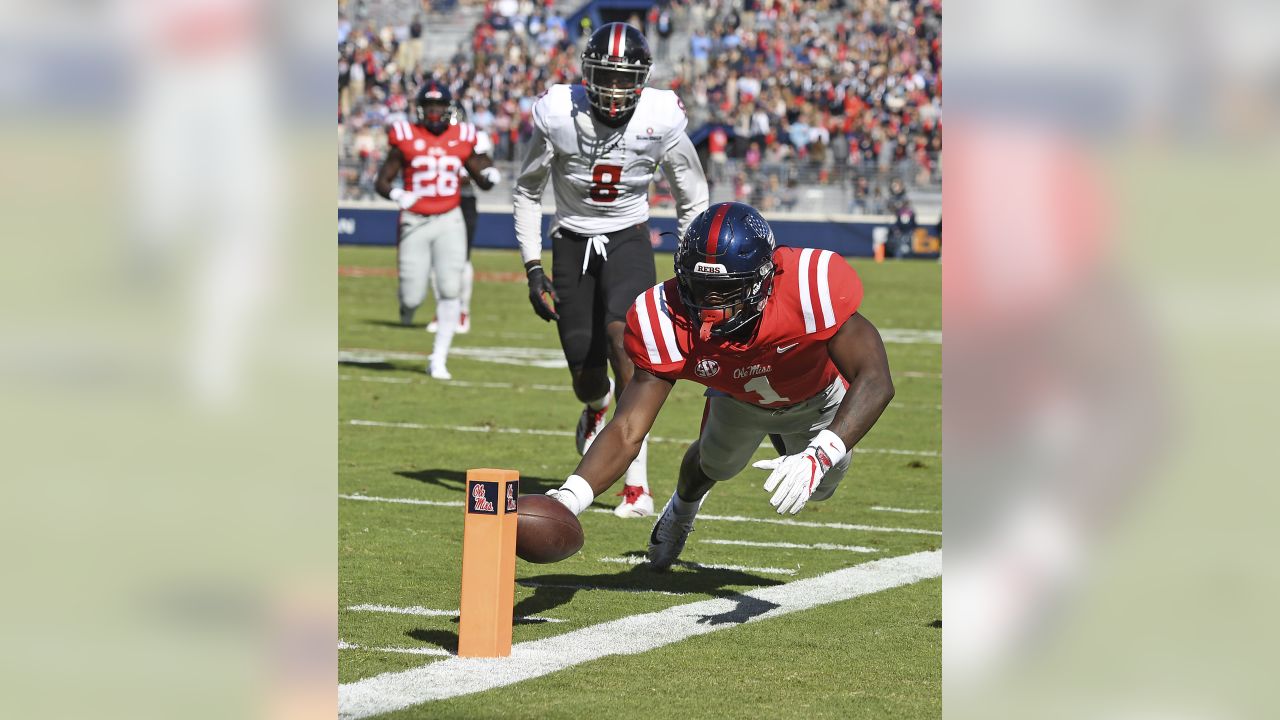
(814, 92)
(717, 148)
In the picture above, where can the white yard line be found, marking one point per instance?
(399, 650)
(431, 612)
(905, 511)
(565, 433)
(524, 356)
(626, 636)
(795, 546)
(701, 516)
(574, 586)
(538, 386)
(403, 501)
(640, 560)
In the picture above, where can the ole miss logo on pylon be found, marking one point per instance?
(511, 496)
(480, 493)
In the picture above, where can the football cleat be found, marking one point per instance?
(667, 539)
(433, 325)
(464, 324)
(590, 422)
(438, 370)
(636, 502)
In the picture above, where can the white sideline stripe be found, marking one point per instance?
(539, 386)
(566, 433)
(572, 586)
(403, 501)
(727, 518)
(457, 383)
(797, 546)
(639, 560)
(808, 524)
(401, 650)
(430, 612)
(908, 511)
(634, 634)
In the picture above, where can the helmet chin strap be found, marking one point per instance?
(709, 320)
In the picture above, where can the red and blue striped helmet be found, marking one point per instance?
(432, 106)
(724, 269)
(615, 67)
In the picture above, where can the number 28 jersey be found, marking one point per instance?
(814, 293)
(432, 163)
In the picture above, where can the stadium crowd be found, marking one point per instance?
(781, 94)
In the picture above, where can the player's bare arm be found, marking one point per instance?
(618, 443)
(391, 167)
(482, 171)
(858, 353)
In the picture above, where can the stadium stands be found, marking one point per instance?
(810, 107)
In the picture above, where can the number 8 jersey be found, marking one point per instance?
(601, 174)
(785, 363)
(432, 163)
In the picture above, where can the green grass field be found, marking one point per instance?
(873, 656)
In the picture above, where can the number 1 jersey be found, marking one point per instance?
(814, 293)
(432, 163)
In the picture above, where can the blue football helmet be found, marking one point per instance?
(724, 269)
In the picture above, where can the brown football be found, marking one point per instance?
(546, 531)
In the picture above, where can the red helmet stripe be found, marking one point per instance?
(617, 41)
(713, 238)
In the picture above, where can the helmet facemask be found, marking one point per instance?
(724, 304)
(433, 115)
(613, 87)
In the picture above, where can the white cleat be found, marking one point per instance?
(438, 370)
(464, 324)
(636, 502)
(433, 325)
(667, 539)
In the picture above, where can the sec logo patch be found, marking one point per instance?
(419, 144)
(706, 368)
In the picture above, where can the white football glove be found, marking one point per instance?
(403, 198)
(491, 174)
(795, 477)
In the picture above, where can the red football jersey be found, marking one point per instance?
(814, 293)
(432, 162)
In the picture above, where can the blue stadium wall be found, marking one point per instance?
(377, 226)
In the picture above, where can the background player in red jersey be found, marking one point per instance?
(775, 336)
(433, 238)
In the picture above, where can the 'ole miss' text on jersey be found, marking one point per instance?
(432, 163)
(814, 293)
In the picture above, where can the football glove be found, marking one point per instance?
(540, 284)
(795, 477)
(491, 174)
(403, 198)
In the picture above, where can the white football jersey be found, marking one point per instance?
(600, 174)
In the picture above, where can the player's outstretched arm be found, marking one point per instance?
(618, 443)
(858, 353)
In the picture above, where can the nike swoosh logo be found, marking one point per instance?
(785, 348)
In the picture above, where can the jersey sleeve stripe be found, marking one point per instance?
(824, 289)
(395, 131)
(664, 322)
(646, 329)
(806, 300)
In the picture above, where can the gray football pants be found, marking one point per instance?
(734, 430)
(431, 244)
